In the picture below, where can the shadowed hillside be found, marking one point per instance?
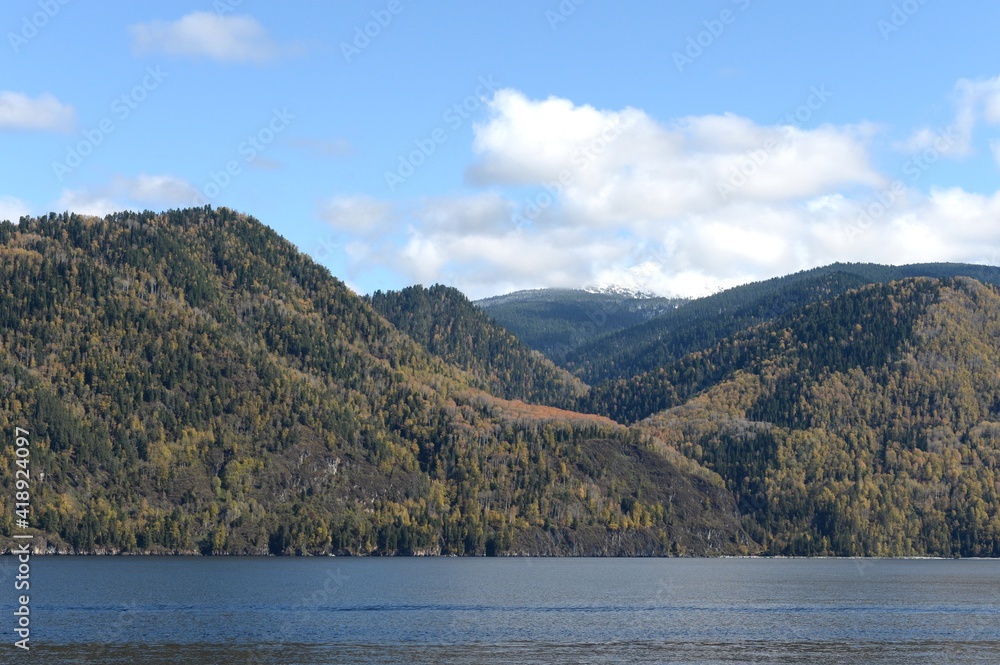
(448, 325)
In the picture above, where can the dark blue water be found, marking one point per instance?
(463, 611)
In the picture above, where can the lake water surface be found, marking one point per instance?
(472, 611)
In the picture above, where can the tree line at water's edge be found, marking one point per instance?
(192, 383)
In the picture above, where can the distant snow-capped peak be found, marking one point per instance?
(617, 290)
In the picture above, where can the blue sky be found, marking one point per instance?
(671, 147)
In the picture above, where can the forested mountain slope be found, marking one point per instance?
(867, 425)
(701, 323)
(557, 321)
(191, 382)
(448, 325)
(860, 328)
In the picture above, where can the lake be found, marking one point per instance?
(483, 611)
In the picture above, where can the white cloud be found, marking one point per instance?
(84, 202)
(155, 189)
(991, 105)
(488, 263)
(488, 212)
(638, 204)
(209, 35)
(691, 255)
(526, 142)
(621, 166)
(361, 215)
(123, 193)
(18, 111)
(12, 209)
(976, 102)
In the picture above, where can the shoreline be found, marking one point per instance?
(197, 555)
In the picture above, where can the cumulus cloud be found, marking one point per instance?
(942, 225)
(486, 263)
(976, 102)
(18, 111)
(361, 215)
(693, 255)
(484, 213)
(86, 202)
(12, 209)
(208, 35)
(527, 141)
(122, 193)
(613, 167)
(567, 195)
(155, 189)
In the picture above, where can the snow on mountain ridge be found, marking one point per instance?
(624, 291)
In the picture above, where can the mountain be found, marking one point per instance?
(702, 322)
(193, 383)
(868, 424)
(447, 324)
(557, 321)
